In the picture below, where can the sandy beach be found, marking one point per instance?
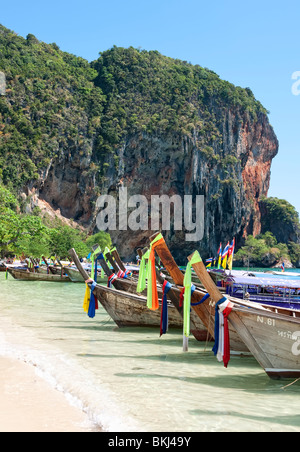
(29, 404)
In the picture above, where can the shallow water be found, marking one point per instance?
(130, 379)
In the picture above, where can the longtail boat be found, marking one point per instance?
(127, 308)
(205, 311)
(198, 329)
(272, 335)
(76, 276)
(24, 275)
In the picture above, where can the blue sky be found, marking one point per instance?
(251, 44)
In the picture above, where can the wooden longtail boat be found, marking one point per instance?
(24, 275)
(198, 329)
(272, 335)
(76, 276)
(206, 310)
(2, 267)
(127, 308)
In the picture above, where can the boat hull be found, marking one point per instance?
(273, 339)
(75, 276)
(131, 310)
(22, 275)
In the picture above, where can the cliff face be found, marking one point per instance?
(71, 130)
(173, 165)
(232, 186)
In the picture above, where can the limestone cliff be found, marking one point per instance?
(72, 130)
(232, 185)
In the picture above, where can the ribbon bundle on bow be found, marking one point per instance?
(90, 303)
(111, 279)
(221, 348)
(121, 274)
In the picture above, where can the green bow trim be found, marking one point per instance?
(159, 237)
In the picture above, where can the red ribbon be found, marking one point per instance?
(226, 356)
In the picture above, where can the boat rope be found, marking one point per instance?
(290, 384)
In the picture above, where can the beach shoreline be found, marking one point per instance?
(31, 404)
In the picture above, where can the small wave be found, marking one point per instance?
(67, 376)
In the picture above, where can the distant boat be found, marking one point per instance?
(274, 291)
(76, 277)
(24, 275)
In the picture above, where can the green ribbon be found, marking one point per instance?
(149, 274)
(143, 272)
(98, 251)
(104, 255)
(187, 282)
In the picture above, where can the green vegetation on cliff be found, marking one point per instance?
(59, 107)
(149, 92)
(265, 251)
(20, 233)
(280, 218)
(280, 237)
(49, 108)
(57, 104)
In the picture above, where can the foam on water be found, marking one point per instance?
(130, 379)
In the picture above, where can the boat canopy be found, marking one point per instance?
(263, 282)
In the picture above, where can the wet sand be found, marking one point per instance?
(28, 403)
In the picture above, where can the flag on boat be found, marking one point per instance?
(225, 255)
(220, 256)
(209, 262)
(230, 254)
(217, 255)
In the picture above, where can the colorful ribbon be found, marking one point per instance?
(152, 296)
(111, 279)
(221, 348)
(90, 302)
(93, 305)
(141, 286)
(164, 321)
(188, 292)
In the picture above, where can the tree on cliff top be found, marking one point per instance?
(281, 219)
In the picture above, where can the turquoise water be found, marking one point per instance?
(130, 379)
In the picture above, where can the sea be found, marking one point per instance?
(130, 379)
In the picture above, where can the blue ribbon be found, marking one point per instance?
(92, 305)
(206, 296)
(164, 310)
